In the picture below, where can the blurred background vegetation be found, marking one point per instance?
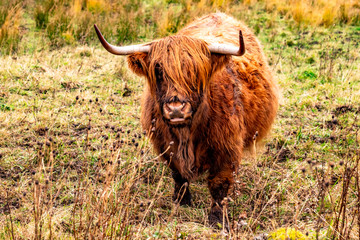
(27, 25)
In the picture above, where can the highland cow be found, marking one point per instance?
(204, 101)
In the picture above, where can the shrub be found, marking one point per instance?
(10, 18)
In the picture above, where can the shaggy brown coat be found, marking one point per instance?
(232, 98)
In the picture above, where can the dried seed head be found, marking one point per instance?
(128, 131)
(341, 163)
(153, 129)
(107, 125)
(153, 121)
(77, 98)
(331, 164)
(100, 110)
(171, 154)
(36, 182)
(171, 143)
(303, 170)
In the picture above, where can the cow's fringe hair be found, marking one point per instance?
(184, 61)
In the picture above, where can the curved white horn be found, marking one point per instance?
(228, 49)
(126, 50)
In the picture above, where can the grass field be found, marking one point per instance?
(75, 164)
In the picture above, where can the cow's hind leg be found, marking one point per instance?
(219, 185)
(182, 193)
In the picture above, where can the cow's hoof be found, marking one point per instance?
(183, 200)
(217, 219)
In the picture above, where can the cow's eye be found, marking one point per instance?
(159, 75)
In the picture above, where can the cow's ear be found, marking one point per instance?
(218, 61)
(139, 63)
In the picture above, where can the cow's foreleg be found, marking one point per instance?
(219, 185)
(182, 191)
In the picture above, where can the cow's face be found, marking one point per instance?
(179, 70)
(177, 107)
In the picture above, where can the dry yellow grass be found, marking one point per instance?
(10, 29)
(318, 12)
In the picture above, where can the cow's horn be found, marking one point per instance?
(228, 49)
(126, 50)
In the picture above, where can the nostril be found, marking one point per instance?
(182, 106)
